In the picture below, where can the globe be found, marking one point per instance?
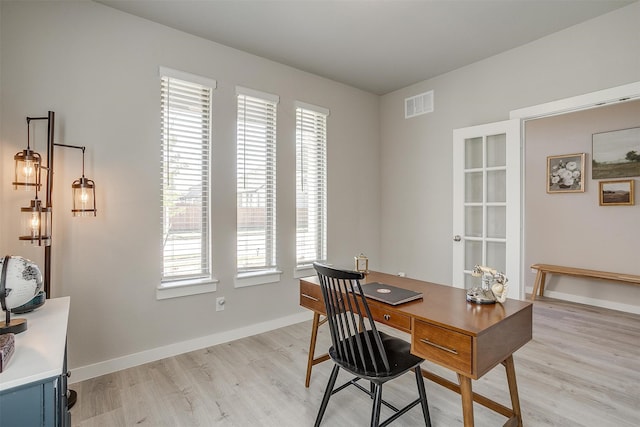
(21, 280)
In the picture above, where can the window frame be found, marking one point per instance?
(204, 281)
(319, 136)
(258, 109)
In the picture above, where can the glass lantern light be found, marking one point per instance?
(84, 192)
(36, 223)
(27, 167)
(84, 197)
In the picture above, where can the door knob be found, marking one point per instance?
(457, 238)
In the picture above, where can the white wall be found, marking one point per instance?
(572, 229)
(416, 154)
(97, 68)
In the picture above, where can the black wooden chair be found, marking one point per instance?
(360, 349)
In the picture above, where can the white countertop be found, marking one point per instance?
(39, 351)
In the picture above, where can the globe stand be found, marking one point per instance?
(9, 326)
(14, 326)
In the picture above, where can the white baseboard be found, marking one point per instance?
(627, 308)
(108, 366)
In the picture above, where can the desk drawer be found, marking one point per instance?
(388, 317)
(443, 346)
(311, 297)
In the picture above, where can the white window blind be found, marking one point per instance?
(311, 185)
(185, 137)
(256, 181)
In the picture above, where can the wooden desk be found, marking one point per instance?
(469, 339)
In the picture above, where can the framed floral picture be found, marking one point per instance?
(565, 174)
(616, 193)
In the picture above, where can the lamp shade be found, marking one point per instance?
(27, 169)
(84, 197)
(36, 223)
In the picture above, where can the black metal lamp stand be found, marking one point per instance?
(41, 234)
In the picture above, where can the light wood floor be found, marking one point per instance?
(582, 368)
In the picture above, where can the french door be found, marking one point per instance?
(486, 203)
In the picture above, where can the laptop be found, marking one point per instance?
(389, 294)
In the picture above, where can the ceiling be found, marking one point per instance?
(376, 45)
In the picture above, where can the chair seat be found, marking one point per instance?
(398, 354)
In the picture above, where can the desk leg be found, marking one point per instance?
(466, 393)
(312, 348)
(513, 388)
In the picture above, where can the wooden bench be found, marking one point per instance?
(543, 269)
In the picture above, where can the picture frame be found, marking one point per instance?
(362, 263)
(615, 154)
(565, 173)
(617, 193)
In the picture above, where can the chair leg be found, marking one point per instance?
(423, 396)
(327, 394)
(377, 403)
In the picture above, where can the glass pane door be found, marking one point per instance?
(486, 201)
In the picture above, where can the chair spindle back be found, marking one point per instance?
(354, 336)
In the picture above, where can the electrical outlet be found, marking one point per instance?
(220, 303)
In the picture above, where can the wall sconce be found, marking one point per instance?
(37, 217)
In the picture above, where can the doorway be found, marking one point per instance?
(609, 97)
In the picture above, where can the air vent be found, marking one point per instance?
(418, 104)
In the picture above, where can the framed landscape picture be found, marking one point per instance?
(616, 193)
(565, 174)
(616, 154)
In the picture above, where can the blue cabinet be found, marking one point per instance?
(33, 387)
(29, 405)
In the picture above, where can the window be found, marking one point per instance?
(311, 185)
(185, 174)
(256, 183)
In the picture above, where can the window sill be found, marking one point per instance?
(258, 278)
(304, 271)
(186, 288)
